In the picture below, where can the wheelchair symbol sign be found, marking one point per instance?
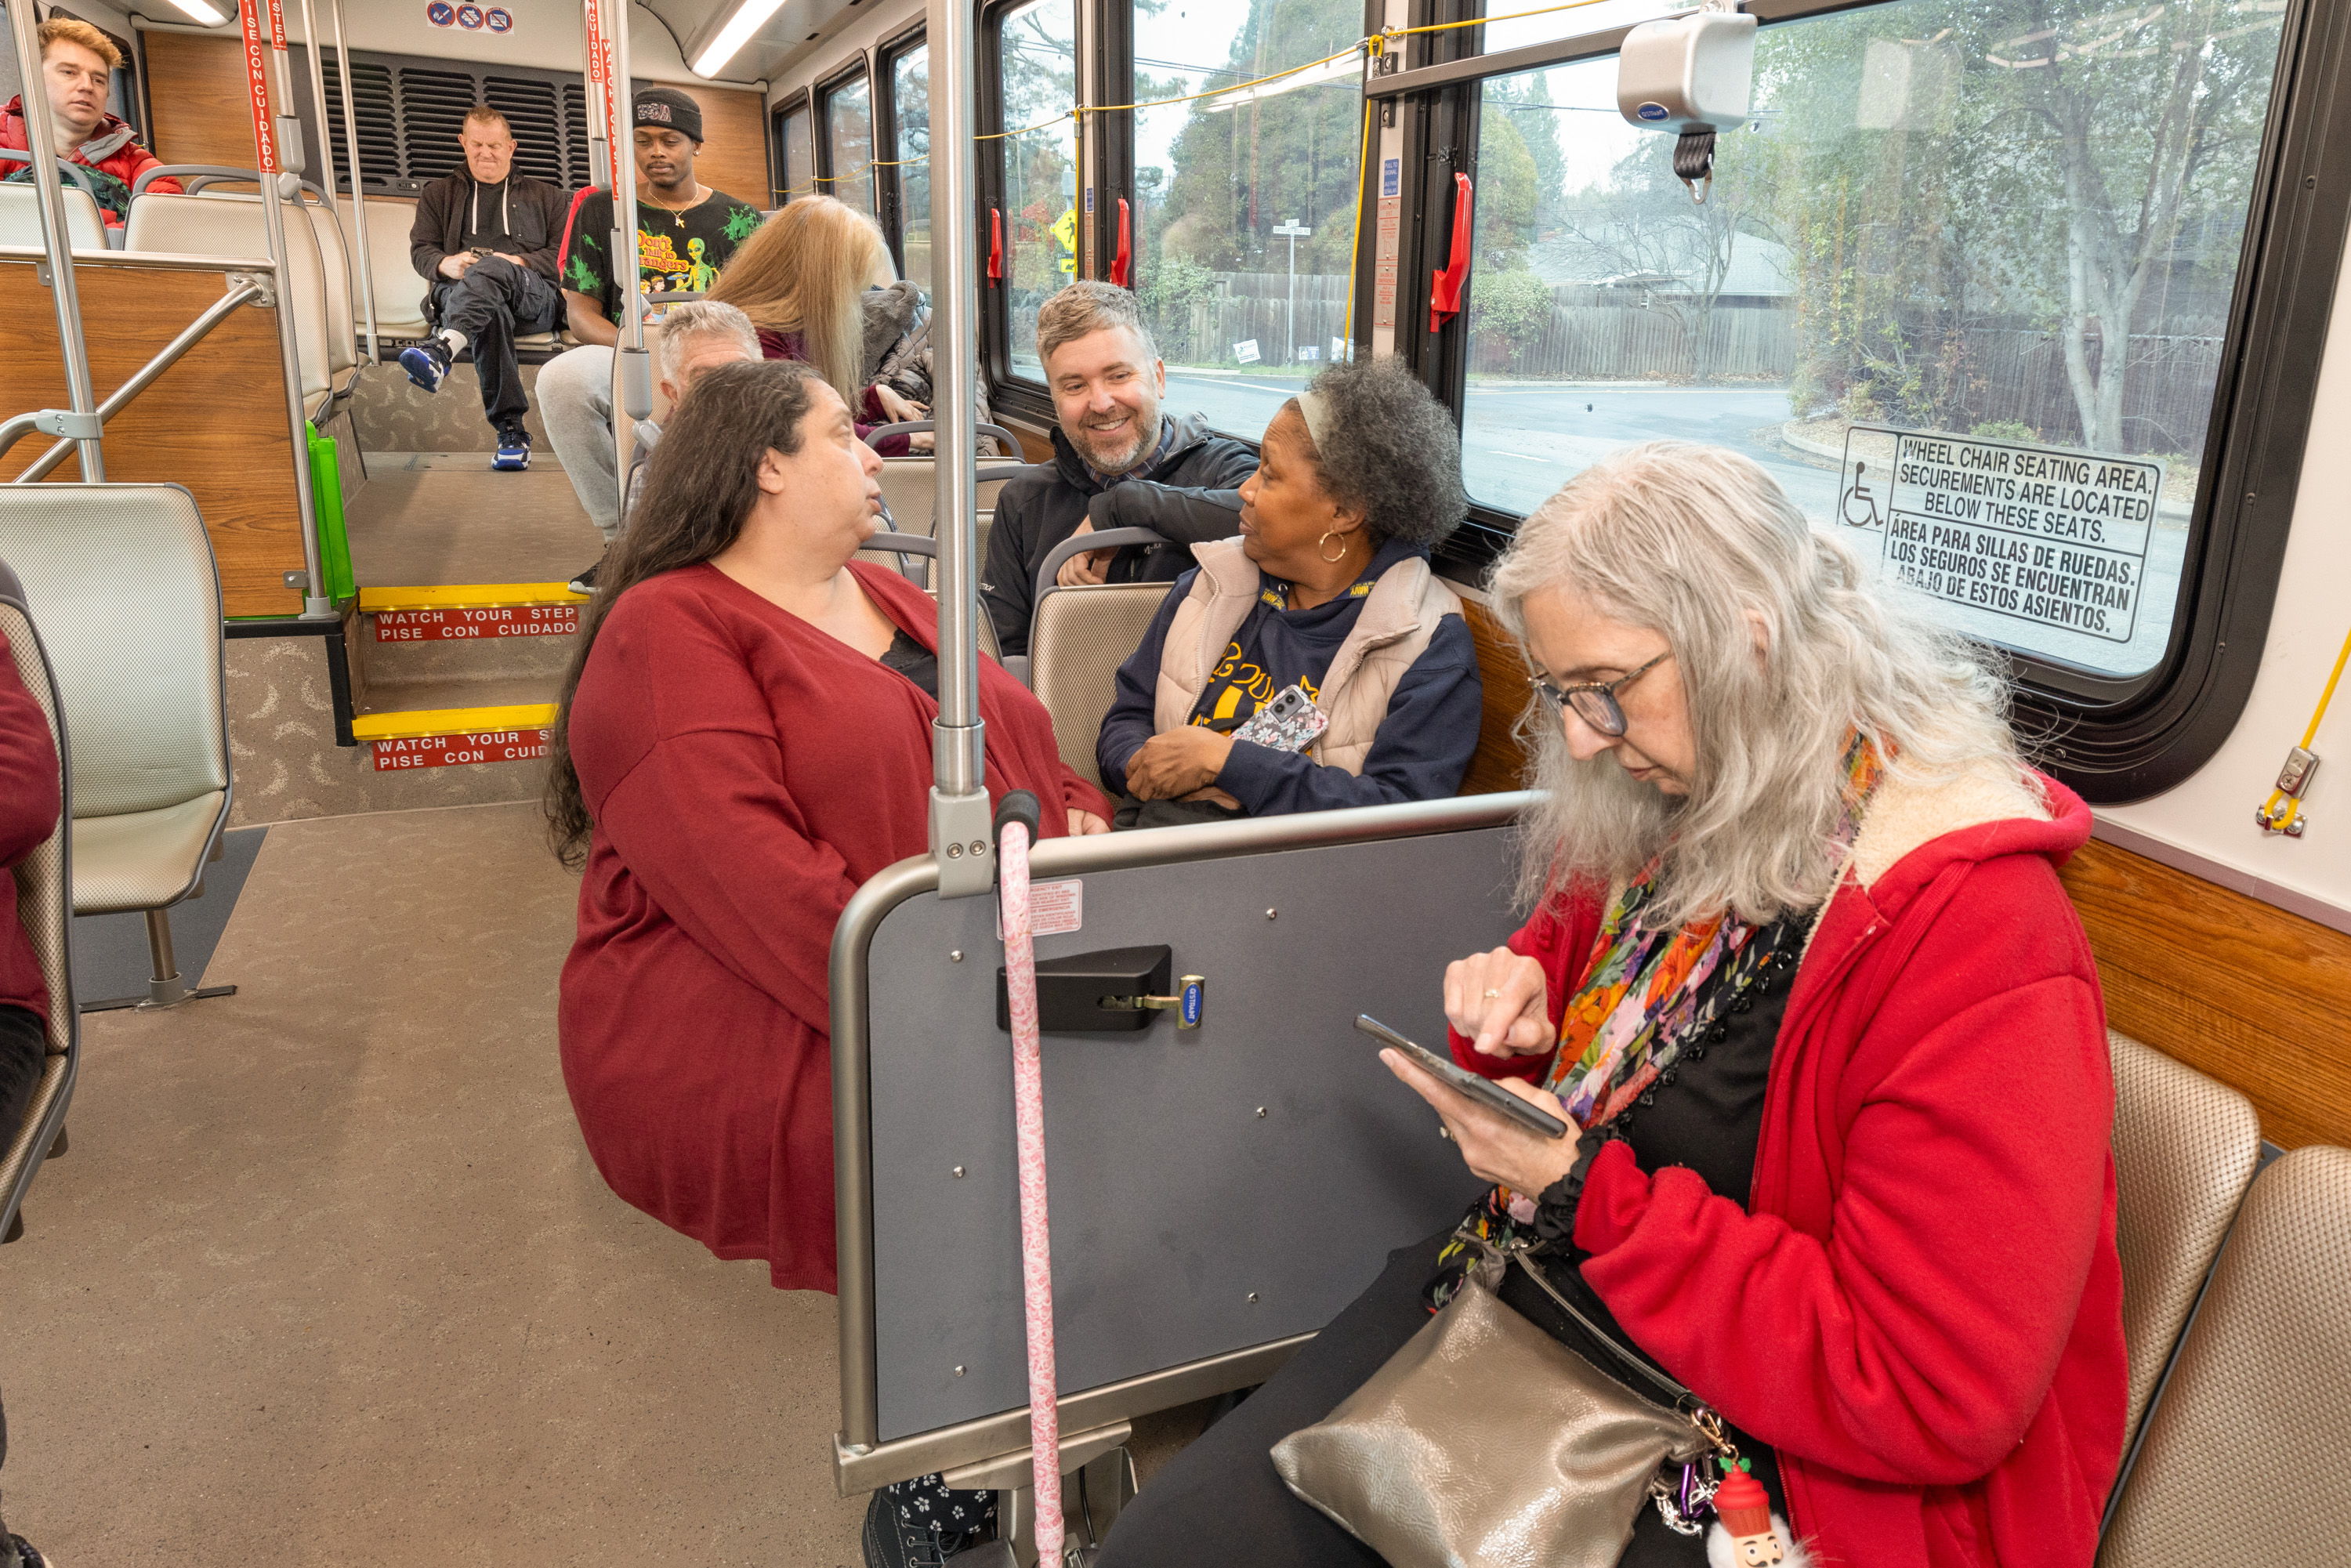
(1858, 506)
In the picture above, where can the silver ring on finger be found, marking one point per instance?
(1492, 992)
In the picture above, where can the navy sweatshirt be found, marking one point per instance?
(1423, 745)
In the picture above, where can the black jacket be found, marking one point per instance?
(535, 214)
(1043, 505)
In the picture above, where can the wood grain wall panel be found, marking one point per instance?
(2241, 991)
(215, 421)
(196, 90)
(1500, 761)
(734, 156)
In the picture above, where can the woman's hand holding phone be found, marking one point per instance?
(1500, 1000)
(1492, 1146)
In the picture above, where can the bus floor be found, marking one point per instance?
(328, 1277)
(436, 518)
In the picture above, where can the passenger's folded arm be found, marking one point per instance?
(1916, 1346)
(1188, 515)
(735, 868)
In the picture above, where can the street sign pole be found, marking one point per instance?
(1295, 233)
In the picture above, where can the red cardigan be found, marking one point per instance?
(746, 773)
(29, 802)
(1919, 1303)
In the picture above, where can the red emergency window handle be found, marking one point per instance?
(1125, 257)
(1444, 287)
(995, 243)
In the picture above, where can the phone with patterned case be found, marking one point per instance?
(1291, 721)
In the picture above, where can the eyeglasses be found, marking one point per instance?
(1595, 702)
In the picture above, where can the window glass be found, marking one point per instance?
(1511, 30)
(2012, 224)
(799, 176)
(1038, 59)
(910, 144)
(1244, 220)
(849, 142)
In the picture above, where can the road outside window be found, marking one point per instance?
(2011, 226)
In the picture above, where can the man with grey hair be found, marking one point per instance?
(1108, 384)
(695, 337)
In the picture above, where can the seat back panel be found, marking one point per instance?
(1079, 638)
(233, 225)
(20, 217)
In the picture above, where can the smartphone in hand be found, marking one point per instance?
(1454, 1076)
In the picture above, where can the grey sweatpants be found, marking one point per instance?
(575, 403)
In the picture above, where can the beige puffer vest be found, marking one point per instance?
(1398, 618)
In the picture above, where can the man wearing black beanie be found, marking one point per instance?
(685, 233)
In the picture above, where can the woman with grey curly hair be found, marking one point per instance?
(1327, 590)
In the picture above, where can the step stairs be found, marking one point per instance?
(459, 674)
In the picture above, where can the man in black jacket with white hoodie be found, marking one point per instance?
(487, 240)
(1107, 383)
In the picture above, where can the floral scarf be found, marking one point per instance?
(1640, 1004)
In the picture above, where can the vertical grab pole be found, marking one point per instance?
(315, 605)
(958, 807)
(41, 131)
(311, 53)
(632, 370)
(359, 182)
(598, 84)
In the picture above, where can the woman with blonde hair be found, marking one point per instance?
(803, 277)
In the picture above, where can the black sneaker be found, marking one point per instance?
(585, 583)
(921, 1523)
(514, 449)
(427, 363)
(26, 1555)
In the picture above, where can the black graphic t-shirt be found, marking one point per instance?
(675, 251)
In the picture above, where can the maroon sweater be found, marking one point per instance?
(746, 772)
(28, 815)
(1919, 1305)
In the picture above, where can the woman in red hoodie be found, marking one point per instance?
(745, 738)
(1803, 980)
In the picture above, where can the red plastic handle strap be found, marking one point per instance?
(995, 243)
(1125, 257)
(257, 73)
(1444, 289)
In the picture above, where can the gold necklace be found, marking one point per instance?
(679, 213)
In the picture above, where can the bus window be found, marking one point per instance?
(1037, 57)
(849, 141)
(1245, 219)
(1514, 31)
(2015, 225)
(796, 175)
(910, 145)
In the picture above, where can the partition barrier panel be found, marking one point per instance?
(1217, 1193)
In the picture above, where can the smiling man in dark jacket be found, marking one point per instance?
(1107, 383)
(486, 239)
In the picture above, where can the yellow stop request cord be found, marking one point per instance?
(2281, 812)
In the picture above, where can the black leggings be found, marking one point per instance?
(1221, 1500)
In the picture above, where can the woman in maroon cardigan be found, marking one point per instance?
(744, 739)
(1803, 982)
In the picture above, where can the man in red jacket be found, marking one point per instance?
(29, 803)
(1803, 983)
(78, 67)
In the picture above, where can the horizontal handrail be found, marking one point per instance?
(158, 260)
(916, 427)
(80, 176)
(204, 174)
(1050, 567)
(194, 333)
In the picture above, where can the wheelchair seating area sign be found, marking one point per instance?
(2048, 535)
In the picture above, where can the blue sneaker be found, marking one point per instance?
(427, 363)
(514, 449)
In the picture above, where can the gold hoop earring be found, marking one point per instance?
(1325, 539)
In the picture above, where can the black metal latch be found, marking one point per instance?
(1116, 990)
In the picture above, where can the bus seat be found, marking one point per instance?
(44, 901)
(146, 713)
(231, 225)
(2225, 1473)
(1079, 639)
(20, 218)
(911, 486)
(334, 270)
(2185, 1148)
(399, 291)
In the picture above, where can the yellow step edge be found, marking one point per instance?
(466, 596)
(422, 722)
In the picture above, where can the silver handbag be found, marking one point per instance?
(1486, 1443)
